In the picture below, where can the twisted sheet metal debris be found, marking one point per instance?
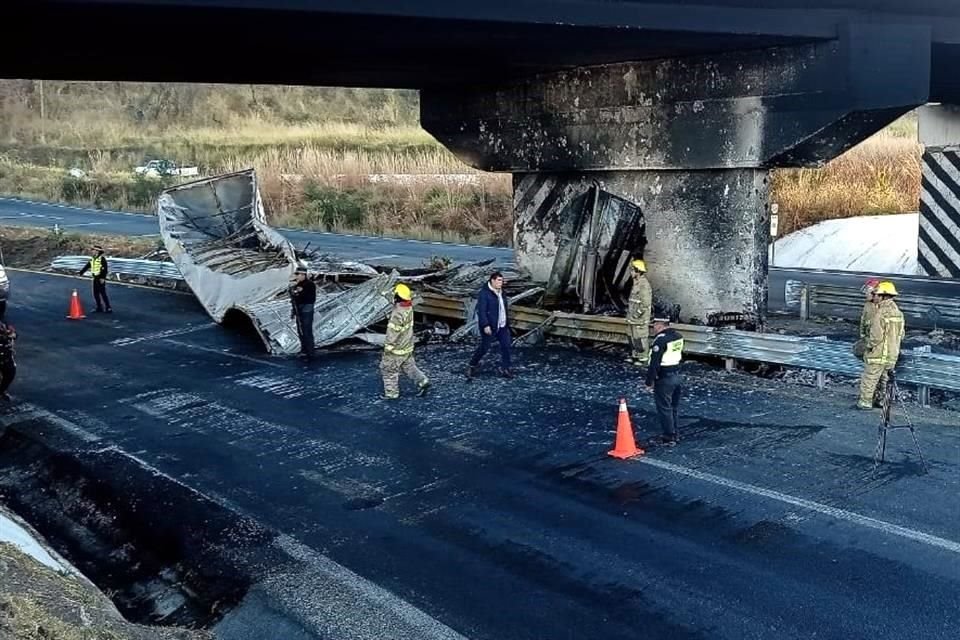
(216, 233)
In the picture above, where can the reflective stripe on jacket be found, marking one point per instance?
(886, 334)
(399, 339)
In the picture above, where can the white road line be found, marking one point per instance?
(228, 354)
(392, 255)
(26, 411)
(83, 224)
(827, 510)
(169, 333)
(364, 609)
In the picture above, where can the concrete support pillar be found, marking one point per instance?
(707, 231)
(938, 250)
(689, 141)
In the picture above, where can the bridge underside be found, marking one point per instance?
(423, 43)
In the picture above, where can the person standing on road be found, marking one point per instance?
(493, 325)
(882, 346)
(303, 294)
(398, 347)
(638, 315)
(97, 265)
(866, 316)
(8, 364)
(663, 377)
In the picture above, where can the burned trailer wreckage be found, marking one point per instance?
(215, 231)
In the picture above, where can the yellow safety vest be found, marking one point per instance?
(96, 266)
(672, 353)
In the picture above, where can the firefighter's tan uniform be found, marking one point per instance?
(398, 350)
(638, 315)
(882, 350)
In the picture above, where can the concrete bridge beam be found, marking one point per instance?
(690, 140)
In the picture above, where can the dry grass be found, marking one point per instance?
(37, 603)
(880, 176)
(35, 248)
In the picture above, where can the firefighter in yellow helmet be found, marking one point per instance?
(398, 347)
(638, 315)
(882, 345)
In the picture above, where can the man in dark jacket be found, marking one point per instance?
(97, 266)
(303, 294)
(663, 377)
(492, 322)
(8, 364)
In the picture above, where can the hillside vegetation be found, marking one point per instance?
(315, 150)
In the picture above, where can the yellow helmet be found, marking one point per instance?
(639, 265)
(403, 292)
(886, 288)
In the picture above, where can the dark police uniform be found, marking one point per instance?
(664, 376)
(304, 295)
(8, 364)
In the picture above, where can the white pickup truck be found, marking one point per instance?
(157, 168)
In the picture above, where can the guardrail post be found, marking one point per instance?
(821, 380)
(923, 395)
(805, 303)
(729, 364)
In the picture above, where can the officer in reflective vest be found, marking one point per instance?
(663, 377)
(97, 266)
(398, 347)
(882, 345)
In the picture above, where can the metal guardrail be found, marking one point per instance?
(918, 367)
(123, 266)
(926, 311)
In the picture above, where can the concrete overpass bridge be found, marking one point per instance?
(681, 106)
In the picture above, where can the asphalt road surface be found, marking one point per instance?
(493, 507)
(402, 253)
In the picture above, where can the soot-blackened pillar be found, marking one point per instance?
(690, 140)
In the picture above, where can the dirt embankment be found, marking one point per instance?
(38, 603)
(36, 248)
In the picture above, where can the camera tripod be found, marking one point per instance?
(892, 395)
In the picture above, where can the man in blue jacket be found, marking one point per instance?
(492, 322)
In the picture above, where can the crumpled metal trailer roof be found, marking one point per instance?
(215, 231)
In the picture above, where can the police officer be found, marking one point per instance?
(8, 364)
(882, 345)
(663, 377)
(398, 347)
(97, 265)
(638, 315)
(303, 295)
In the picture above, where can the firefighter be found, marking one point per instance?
(8, 364)
(882, 345)
(866, 316)
(663, 377)
(398, 347)
(303, 295)
(638, 315)
(97, 265)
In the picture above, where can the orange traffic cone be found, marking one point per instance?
(625, 446)
(76, 311)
